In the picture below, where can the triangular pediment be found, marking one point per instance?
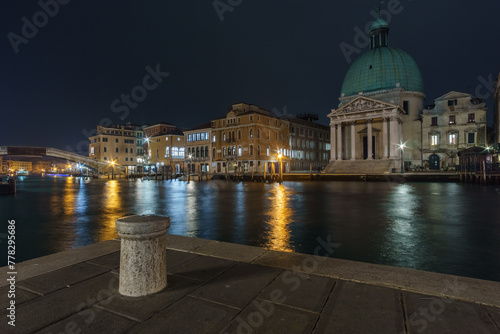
(363, 104)
(452, 96)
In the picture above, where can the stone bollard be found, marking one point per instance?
(143, 258)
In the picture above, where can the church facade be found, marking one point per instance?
(377, 124)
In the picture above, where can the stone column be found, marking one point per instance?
(333, 146)
(385, 134)
(370, 135)
(394, 138)
(143, 257)
(339, 141)
(353, 141)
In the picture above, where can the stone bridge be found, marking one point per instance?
(52, 152)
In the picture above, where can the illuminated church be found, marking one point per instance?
(381, 100)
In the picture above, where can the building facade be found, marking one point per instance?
(165, 148)
(249, 138)
(199, 149)
(455, 122)
(380, 105)
(309, 143)
(115, 145)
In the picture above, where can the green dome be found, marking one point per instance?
(382, 68)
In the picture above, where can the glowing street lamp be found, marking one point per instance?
(402, 147)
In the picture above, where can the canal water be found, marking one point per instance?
(441, 227)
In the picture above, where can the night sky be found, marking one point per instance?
(276, 54)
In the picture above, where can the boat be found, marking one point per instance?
(7, 184)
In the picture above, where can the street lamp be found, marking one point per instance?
(402, 148)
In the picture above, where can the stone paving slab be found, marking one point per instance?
(21, 297)
(61, 278)
(231, 251)
(141, 308)
(110, 261)
(494, 313)
(299, 290)
(237, 286)
(187, 244)
(264, 317)
(203, 268)
(45, 264)
(442, 315)
(188, 316)
(361, 308)
(464, 288)
(90, 321)
(41, 312)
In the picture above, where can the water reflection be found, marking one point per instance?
(112, 210)
(280, 216)
(401, 238)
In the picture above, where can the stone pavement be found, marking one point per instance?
(217, 287)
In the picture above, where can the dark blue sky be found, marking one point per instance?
(63, 80)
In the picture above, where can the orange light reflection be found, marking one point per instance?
(280, 216)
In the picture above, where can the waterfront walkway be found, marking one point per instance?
(217, 287)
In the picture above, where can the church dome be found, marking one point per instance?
(382, 67)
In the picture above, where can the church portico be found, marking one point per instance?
(365, 129)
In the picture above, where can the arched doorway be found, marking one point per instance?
(434, 162)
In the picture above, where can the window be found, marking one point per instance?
(105, 158)
(452, 119)
(206, 151)
(239, 119)
(131, 150)
(251, 133)
(197, 136)
(239, 134)
(452, 103)
(258, 149)
(203, 136)
(251, 149)
(434, 121)
(116, 140)
(251, 118)
(434, 139)
(116, 150)
(223, 151)
(131, 159)
(213, 152)
(213, 139)
(268, 151)
(175, 152)
(453, 138)
(471, 138)
(224, 136)
(239, 151)
(258, 133)
(126, 159)
(190, 137)
(178, 138)
(471, 118)
(166, 138)
(104, 139)
(181, 152)
(167, 152)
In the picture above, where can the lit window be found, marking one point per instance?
(434, 140)
(167, 152)
(239, 151)
(213, 139)
(453, 138)
(452, 119)
(175, 151)
(92, 150)
(471, 118)
(181, 152)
